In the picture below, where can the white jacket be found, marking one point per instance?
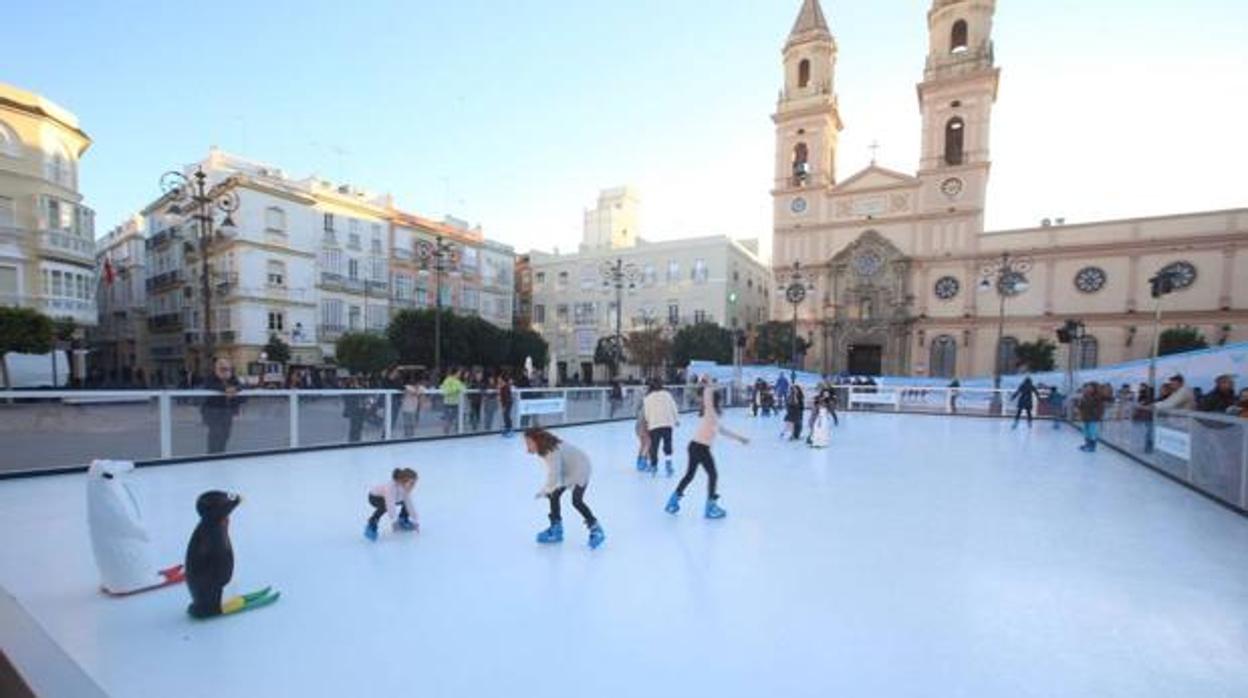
(395, 494)
(660, 410)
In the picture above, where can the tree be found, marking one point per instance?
(527, 344)
(773, 343)
(277, 350)
(608, 354)
(365, 353)
(704, 341)
(1177, 340)
(1036, 356)
(25, 331)
(649, 349)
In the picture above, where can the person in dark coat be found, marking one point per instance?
(795, 407)
(218, 412)
(1026, 396)
(1222, 397)
(355, 410)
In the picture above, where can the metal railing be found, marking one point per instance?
(1204, 450)
(982, 402)
(49, 431)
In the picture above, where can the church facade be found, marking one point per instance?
(902, 279)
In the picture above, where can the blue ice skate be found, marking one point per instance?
(406, 524)
(713, 510)
(596, 535)
(668, 465)
(673, 504)
(370, 531)
(642, 464)
(554, 534)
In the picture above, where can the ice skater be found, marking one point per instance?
(700, 454)
(821, 424)
(661, 415)
(1026, 396)
(394, 497)
(566, 466)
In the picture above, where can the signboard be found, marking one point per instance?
(889, 398)
(546, 405)
(1176, 443)
(870, 206)
(586, 341)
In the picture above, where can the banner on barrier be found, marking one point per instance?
(889, 398)
(547, 405)
(1176, 443)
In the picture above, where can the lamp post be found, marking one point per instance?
(1163, 284)
(439, 253)
(192, 197)
(795, 284)
(1072, 334)
(1006, 276)
(618, 275)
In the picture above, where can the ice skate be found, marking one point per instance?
(596, 535)
(370, 532)
(673, 504)
(713, 510)
(668, 465)
(554, 534)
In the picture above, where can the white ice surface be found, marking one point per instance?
(919, 556)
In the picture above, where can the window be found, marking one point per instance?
(673, 271)
(803, 73)
(589, 278)
(957, 37)
(331, 261)
(943, 362)
(9, 143)
(1089, 349)
(54, 214)
(673, 314)
(329, 222)
(955, 134)
(563, 281)
(444, 297)
(353, 269)
(801, 164)
(353, 241)
(648, 275)
(7, 212)
(540, 278)
(402, 286)
(354, 318)
(468, 258)
(331, 312)
(377, 268)
(376, 248)
(58, 167)
(470, 299)
(585, 313)
(699, 317)
(700, 272)
(277, 273)
(8, 283)
(274, 220)
(539, 314)
(422, 296)
(277, 321)
(561, 314)
(1007, 355)
(377, 317)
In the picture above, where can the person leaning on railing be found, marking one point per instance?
(218, 412)
(1222, 398)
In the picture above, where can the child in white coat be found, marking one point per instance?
(394, 498)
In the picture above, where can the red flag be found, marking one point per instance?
(108, 272)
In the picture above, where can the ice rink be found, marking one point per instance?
(919, 556)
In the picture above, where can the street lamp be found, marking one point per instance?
(439, 253)
(1008, 277)
(1072, 333)
(619, 276)
(193, 198)
(1163, 284)
(795, 285)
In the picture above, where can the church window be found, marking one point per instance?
(1089, 348)
(955, 132)
(803, 73)
(801, 164)
(957, 37)
(1007, 355)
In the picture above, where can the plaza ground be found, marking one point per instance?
(919, 556)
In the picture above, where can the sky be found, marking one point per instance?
(515, 114)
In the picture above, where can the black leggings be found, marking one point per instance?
(700, 454)
(578, 501)
(663, 434)
(1018, 415)
(379, 510)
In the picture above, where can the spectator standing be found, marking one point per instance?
(506, 400)
(218, 412)
(1222, 397)
(452, 392)
(1091, 407)
(1180, 396)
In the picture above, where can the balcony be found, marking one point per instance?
(402, 254)
(67, 246)
(226, 337)
(338, 282)
(163, 238)
(378, 288)
(82, 312)
(165, 322)
(330, 332)
(165, 280)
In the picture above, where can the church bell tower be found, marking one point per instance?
(806, 118)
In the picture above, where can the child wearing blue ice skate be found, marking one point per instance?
(394, 498)
(700, 453)
(566, 466)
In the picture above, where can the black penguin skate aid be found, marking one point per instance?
(210, 561)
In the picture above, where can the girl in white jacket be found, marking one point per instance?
(700, 454)
(394, 498)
